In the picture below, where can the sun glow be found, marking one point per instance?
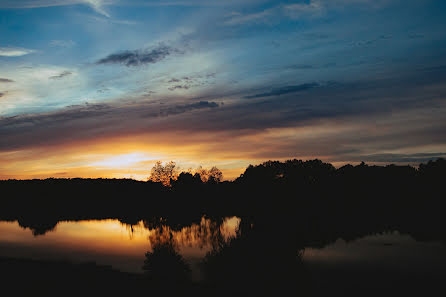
(124, 160)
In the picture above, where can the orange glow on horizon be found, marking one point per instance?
(133, 156)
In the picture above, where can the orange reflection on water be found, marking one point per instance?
(109, 242)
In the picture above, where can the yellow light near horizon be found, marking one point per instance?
(123, 161)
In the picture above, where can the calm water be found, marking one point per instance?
(389, 264)
(109, 242)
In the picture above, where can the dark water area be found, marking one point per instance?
(387, 264)
(281, 229)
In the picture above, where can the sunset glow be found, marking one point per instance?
(101, 95)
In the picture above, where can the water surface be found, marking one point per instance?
(382, 261)
(110, 242)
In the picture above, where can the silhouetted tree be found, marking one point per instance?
(163, 174)
(214, 174)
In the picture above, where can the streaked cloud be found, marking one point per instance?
(63, 43)
(15, 51)
(223, 83)
(97, 5)
(139, 57)
(238, 19)
(297, 10)
(413, 158)
(61, 75)
(285, 90)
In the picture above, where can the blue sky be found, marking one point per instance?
(342, 80)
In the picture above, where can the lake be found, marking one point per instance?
(389, 259)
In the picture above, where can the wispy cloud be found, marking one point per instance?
(285, 90)
(14, 51)
(395, 158)
(178, 109)
(63, 43)
(297, 10)
(304, 9)
(62, 75)
(97, 5)
(238, 19)
(138, 57)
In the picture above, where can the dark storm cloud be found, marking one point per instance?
(5, 80)
(285, 90)
(2, 94)
(139, 57)
(62, 75)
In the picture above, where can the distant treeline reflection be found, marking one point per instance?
(309, 199)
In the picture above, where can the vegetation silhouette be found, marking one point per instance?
(258, 262)
(284, 207)
(313, 196)
(164, 264)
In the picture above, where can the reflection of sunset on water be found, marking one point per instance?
(109, 242)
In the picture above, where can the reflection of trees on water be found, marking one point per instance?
(39, 227)
(206, 234)
(164, 263)
(259, 260)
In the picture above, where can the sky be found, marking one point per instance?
(105, 88)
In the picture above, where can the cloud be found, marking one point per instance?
(298, 10)
(339, 122)
(5, 80)
(97, 5)
(62, 75)
(176, 87)
(316, 8)
(191, 81)
(2, 94)
(14, 51)
(238, 19)
(178, 109)
(85, 121)
(63, 43)
(302, 10)
(285, 90)
(302, 66)
(138, 57)
(396, 158)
